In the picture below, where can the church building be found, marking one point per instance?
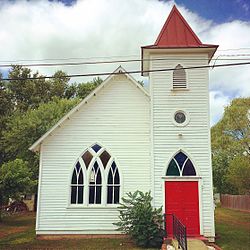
(122, 138)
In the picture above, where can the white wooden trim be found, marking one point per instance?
(39, 190)
(210, 160)
(78, 231)
(152, 175)
(181, 178)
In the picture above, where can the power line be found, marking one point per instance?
(128, 72)
(86, 58)
(126, 61)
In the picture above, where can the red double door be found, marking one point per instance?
(182, 199)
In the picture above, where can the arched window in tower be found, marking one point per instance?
(113, 192)
(95, 185)
(179, 78)
(77, 185)
(181, 165)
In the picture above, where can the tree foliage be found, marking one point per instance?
(15, 180)
(29, 107)
(140, 220)
(230, 146)
(23, 129)
(239, 174)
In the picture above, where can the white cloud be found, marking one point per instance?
(218, 101)
(41, 29)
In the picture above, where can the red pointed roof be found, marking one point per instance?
(176, 32)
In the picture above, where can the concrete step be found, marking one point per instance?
(192, 244)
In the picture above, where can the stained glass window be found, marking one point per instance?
(87, 157)
(180, 165)
(96, 147)
(105, 156)
(95, 165)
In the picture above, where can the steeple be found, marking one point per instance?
(176, 32)
(176, 36)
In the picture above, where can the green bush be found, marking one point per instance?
(140, 220)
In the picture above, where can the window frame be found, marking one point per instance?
(186, 113)
(181, 176)
(104, 175)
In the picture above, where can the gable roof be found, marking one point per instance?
(118, 71)
(176, 32)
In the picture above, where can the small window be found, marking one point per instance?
(180, 117)
(113, 185)
(95, 185)
(181, 165)
(77, 185)
(179, 78)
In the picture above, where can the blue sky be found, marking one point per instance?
(217, 10)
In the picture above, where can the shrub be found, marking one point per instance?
(140, 220)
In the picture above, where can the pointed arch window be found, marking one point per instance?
(102, 178)
(113, 193)
(179, 78)
(77, 185)
(181, 165)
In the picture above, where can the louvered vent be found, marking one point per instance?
(179, 78)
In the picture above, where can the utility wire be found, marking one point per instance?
(123, 61)
(128, 72)
(90, 58)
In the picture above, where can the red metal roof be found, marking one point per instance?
(177, 33)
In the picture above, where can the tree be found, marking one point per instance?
(83, 89)
(15, 180)
(23, 129)
(30, 93)
(230, 141)
(239, 173)
(140, 220)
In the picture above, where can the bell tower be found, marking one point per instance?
(180, 113)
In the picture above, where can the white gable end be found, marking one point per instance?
(119, 71)
(117, 118)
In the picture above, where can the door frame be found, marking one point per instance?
(186, 178)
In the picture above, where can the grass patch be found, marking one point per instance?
(232, 229)
(18, 232)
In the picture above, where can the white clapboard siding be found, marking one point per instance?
(118, 119)
(195, 139)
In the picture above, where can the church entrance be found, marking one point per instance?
(182, 200)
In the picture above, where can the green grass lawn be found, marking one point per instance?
(18, 232)
(232, 229)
